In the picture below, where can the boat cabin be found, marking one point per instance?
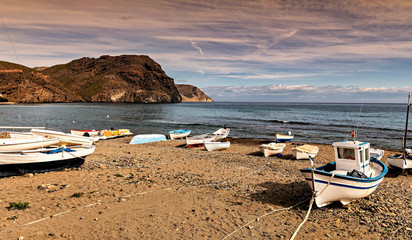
(350, 155)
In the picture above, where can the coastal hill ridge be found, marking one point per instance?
(125, 78)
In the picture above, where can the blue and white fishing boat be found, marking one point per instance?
(351, 176)
(283, 137)
(181, 133)
(147, 138)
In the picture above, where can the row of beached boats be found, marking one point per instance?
(211, 141)
(42, 150)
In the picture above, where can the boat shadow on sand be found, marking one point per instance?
(282, 194)
(287, 195)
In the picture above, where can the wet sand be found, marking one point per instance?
(164, 190)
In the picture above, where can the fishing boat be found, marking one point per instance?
(42, 160)
(283, 137)
(403, 160)
(305, 151)
(26, 143)
(64, 138)
(221, 133)
(147, 138)
(272, 149)
(181, 133)
(376, 153)
(199, 140)
(351, 176)
(216, 146)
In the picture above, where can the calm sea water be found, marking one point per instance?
(380, 124)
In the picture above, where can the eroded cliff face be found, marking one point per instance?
(126, 78)
(191, 93)
(25, 85)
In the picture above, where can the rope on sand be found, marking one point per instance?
(304, 220)
(131, 195)
(131, 167)
(264, 215)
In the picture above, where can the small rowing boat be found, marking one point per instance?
(42, 160)
(26, 143)
(272, 149)
(181, 133)
(216, 146)
(283, 137)
(199, 140)
(64, 138)
(147, 138)
(305, 151)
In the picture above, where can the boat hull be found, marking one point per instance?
(16, 144)
(283, 138)
(85, 133)
(31, 161)
(199, 140)
(216, 146)
(177, 134)
(271, 149)
(399, 162)
(147, 138)
(341, 187)
(64, 138)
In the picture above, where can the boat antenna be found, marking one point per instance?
(360, 111)
(8, 35)
(406, 128)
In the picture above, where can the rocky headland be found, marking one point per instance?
(125, 78)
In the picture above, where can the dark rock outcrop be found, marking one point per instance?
(125, 78)
(191, 93)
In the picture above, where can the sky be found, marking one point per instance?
(234, 50)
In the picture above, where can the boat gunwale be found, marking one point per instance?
(320, 171)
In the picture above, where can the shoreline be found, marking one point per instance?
(164, 190)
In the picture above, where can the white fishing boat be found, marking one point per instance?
(351, 176)
(272, 149)
(181, 133)
(221, 133)
(305, 151)
(26, 143)
(216, 146)
(199, 140)
(65, 138)
(404, 160)
(42, 160)
(283, 137)
(376, 153)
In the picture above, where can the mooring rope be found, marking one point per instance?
(264, 215)
(131, 195)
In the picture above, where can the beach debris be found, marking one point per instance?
(52, 187)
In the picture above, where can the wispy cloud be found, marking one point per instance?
(253, 42)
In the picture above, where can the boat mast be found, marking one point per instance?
(406, 128)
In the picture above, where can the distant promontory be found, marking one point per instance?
(125, 78)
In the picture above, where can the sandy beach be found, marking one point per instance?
(164, 190)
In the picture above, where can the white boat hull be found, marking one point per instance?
(84, 133)
(222, 133)
(26, 143)
(216, 146)
(42, 160)
(177, 135)
(343, 188)
(283, 138)
(65, 138)
(271, 149)
(199, 139)
(400, 162)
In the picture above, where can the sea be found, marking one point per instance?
(382, 125)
